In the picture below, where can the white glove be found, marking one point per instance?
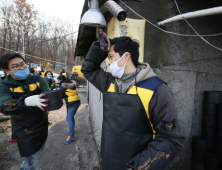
(36, 100)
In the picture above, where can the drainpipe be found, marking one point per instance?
(115, 9)
(195, 14)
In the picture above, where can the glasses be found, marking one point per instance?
(18, 67)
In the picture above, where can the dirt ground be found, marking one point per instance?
(81, 154)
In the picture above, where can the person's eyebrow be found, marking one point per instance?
(17, 63)
(109, 54)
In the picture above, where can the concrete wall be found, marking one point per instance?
(183, 85)
(95, 98)
(187, 64)
(96, 112)
(188, 88)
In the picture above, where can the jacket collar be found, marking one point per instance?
(9, 80)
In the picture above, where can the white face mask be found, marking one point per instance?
(115, 70)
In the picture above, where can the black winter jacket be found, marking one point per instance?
(161, 109)
(30, 124)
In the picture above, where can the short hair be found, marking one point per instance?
(126, 44)
(32, 70)
(5, 58)
(47, 73)
(61, 77)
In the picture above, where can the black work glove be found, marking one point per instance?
(104, 41)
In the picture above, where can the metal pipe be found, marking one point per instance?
(94, 4)
(200, 13)
(115, 9)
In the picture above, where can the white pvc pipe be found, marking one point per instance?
(200, 13)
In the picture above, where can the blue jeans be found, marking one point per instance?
(71, 120)
(33, 162)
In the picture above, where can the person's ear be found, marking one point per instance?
(7, 72)
(128, 56)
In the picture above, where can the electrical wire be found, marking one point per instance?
(32, 56)
(196, 31)
(169, 32)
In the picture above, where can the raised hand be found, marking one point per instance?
(104, 41)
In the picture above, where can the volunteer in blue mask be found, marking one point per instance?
(21, 97)
(49, 79)
(51, 82)
(140, 128)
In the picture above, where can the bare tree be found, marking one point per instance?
(6, 29)
(46, 38)
(27, 16)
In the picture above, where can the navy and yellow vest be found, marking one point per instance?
(43, 73)
(32, 88)
(72, 97)
(32, 124)
(145, 90)
(53, 84)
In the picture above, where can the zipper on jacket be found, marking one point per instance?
(119, 85)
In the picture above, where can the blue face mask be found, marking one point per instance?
(49, 77)
(21, 74)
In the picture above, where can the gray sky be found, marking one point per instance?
(65, 9)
